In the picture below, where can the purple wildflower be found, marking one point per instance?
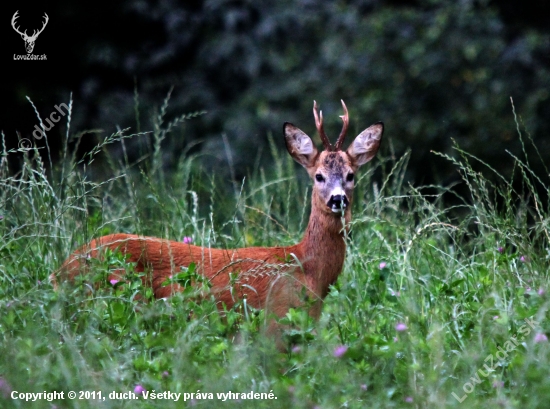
(364, 387)
(401, 327)
(540, 337)
(187, 240)
(139, 389)
(523, 259)
(340, 350)
(382, 265)
(541, 291)
(500, 250)
(409, 399)
(113, 281)
(5, 387)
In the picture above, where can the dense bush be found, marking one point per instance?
(431, 70)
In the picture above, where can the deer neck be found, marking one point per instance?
(323, 249)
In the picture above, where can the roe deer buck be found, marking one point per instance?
(275, 278)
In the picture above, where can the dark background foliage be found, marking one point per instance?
(431, 70)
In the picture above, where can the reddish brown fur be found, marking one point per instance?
(276, 277)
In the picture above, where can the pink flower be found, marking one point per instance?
(5, 387)
(382, 265)
(500, 249)
(340, 350)
(187, 240)
(401, 327)
(165, 374)
(113, 281)
(139, 389)
(541, 291)
(296, 349)
(409, 399)
(523, 259)
(540, 337)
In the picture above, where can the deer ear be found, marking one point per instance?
(300, 146)
(366, 145)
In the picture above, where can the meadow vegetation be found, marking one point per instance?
(433, 299)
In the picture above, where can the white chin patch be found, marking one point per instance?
(337, 209)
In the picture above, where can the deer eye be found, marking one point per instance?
(349, 178)
(319, 177)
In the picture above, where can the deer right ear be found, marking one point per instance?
(300, 146)
(366, 145)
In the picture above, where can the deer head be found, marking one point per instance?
(333, 170)
(29, 40)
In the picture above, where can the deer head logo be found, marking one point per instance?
(29, 40)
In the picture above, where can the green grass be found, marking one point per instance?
(429, 292)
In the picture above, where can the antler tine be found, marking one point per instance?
(13, 22)
(345, 119)
(14, 18)
(45, 22)
(319, 125)
(37, 32)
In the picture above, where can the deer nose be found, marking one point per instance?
(338, 203)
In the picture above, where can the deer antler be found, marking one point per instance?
(34, 35)
(319, 124)
(15, 17)
(345, 119)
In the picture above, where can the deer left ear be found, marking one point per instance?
(300, 146)
(366, 145)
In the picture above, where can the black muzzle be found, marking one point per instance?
(338, 203)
